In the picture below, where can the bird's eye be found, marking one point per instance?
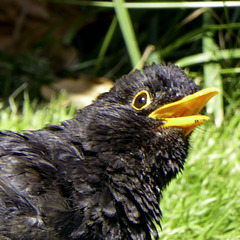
(141, 100)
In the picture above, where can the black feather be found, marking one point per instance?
(100, 174)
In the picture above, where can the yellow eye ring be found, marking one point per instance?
(141, 100)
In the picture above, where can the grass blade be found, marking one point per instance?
(127, 31)
(212, 76)
(105, 44)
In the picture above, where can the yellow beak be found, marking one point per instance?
(184, 113)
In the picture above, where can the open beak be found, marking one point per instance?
(184, 113)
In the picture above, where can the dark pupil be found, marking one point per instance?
(141, 100)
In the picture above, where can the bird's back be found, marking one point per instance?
(34, 187)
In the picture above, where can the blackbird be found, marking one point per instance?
(100, 175)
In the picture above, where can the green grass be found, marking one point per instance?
(203, 202)
(34, 116)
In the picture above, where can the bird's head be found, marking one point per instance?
(146, 118)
